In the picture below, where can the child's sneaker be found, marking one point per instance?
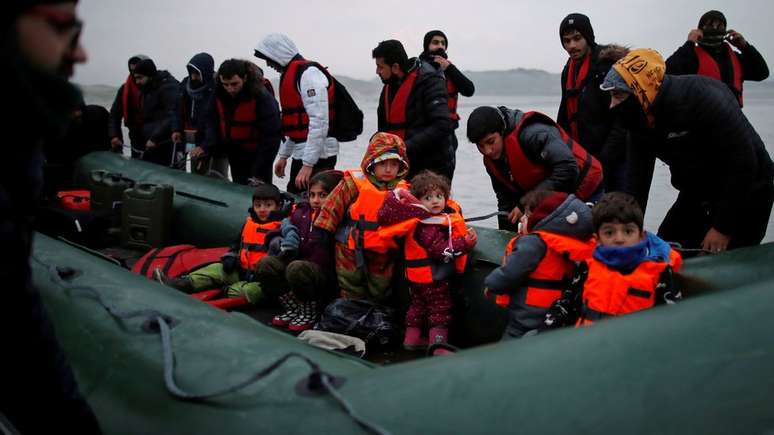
(291, 307)
(413, 339)
(307, 316)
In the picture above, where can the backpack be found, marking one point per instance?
(347, 125)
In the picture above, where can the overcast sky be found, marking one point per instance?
(483, 34)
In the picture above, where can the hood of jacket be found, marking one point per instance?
(278, 48)
(379, 144)
(572, 218)
(204, 64)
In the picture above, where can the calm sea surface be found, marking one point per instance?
(472, 187)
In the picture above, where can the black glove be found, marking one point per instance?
(230, 262)
(560, 314)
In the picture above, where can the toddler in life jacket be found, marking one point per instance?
(437, 242)
(235, 273)
(555, 233)
(630, 270)
(364, 259)
(302, 272)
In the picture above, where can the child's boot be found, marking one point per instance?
(183, 283)
(413, 339)
(307, 316)
(290, 306)
(439, 335)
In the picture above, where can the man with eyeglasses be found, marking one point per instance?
(38, 392)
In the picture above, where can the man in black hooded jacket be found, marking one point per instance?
(189, 121)
(414, 106)
(40, 46)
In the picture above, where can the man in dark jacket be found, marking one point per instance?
(718, 162)
(189, 120)
(724, 55)
(540, 158)
(126, 107)
(243, 121)
(435, 46)
(40, 47)
(583, 111)
(158, 96)
(414, 106)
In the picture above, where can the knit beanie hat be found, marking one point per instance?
(710, 16)
(545, 208)
(146, 67)
(429, 37)
(483, 121)
(578, 22)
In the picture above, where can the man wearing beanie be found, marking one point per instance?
(528, 151)
(40, 48)
(583, 110)
(435, 51)
(126, 107)
(722, 54)
(556, 231)
(414, 106)
(717, 161)
(158, 101)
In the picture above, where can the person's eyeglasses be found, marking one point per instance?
(63, 22)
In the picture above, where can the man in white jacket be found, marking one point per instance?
(306, 95)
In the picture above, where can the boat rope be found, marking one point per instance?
(161, 323)
(486, 216)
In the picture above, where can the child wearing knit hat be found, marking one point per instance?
(555, 232)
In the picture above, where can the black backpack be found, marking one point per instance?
(347, 125)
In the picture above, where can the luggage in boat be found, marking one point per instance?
(374, 323)
(84, 227)
(106, 189)
(146, 215)
(177, 260)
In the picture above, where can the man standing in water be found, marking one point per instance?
(717, 161)
(306, 94)
(38, 392)
(435, 46)
(722, 54)
(126, 107)
(583, 111)
(414, 106)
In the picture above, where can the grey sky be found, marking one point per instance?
(483, 34)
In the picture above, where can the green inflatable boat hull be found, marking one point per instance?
(704, 365)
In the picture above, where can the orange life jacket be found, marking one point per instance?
(131, 100)
(420, 268)
(295, 120)
(253, 247)
(395, 107)
(240, 128)
(608, 292)
(525, 174)
(545, 284)
(453, 99)
(572, 88)
(360, 228)
(709, 67)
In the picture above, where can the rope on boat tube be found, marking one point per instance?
(160, 322)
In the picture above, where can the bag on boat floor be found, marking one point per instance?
(91, 228)
(177, 260)
(373, 323)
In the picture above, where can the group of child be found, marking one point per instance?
(568, 264)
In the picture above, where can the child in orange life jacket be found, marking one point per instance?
(302, 272)
(435, 249)
(631, 269)
(556, 232)
(365, 260)
(235, 271)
